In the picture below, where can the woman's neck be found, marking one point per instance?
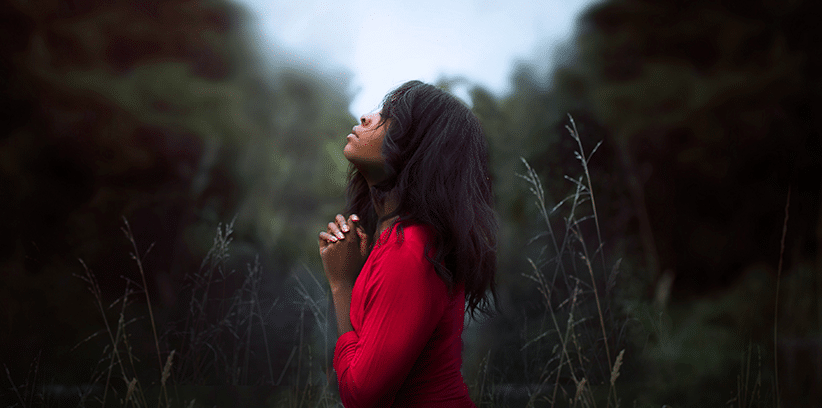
(383, 208)
(383, 204)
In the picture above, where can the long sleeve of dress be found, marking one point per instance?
(397, 301)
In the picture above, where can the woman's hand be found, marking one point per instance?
(343, 253)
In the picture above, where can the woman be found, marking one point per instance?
(417, 249)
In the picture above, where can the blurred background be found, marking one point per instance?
(165, 167)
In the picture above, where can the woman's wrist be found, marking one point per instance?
(341, 296)
(341, 288)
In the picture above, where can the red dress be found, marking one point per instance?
(406, 347)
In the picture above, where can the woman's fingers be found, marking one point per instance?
(352, 220)
(334, 229)
(337, 228)
(327, 237)
(340, 226)
(341, 222)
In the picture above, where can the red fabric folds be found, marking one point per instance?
(406, 347)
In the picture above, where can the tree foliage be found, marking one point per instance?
(165, 113)
(705, 113)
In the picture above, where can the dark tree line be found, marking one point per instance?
(166, 113)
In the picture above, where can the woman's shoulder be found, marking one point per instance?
(407, 236)
(413, 232)
(402, 248)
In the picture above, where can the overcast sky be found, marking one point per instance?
(381, 45)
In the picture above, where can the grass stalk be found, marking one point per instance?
(581, 156)
(777, 402)
(138, 259)
(14, 387)
(572, 259)
(114, 337)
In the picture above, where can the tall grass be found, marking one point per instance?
(225, 316)
(215, 338)
(576, 341)
(574, 353)
(572, 343)
(210, 349)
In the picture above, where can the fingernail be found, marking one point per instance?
(333, 239)
(345, 227)
(340, 235)
(354, 217)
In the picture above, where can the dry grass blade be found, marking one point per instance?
(14, 386)
(539, 194)
(612, 277)
(535, 339)
(167, 369)
(94, 288)
(132, 385)
(617, 365)
(582, 352)
(575, 135)
(138, 259)
(484, 370)
(776, 301)
(614, 375)
(580, 388)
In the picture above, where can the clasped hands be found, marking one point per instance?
(343, 249)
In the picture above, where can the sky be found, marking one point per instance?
(373, 47)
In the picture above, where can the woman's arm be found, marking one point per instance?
(343, 256)
(401, 303)
(342, 307)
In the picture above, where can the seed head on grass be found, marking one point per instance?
(132, 385)
(617, 365)
(580, 388)
(579, 279)
(167, 369)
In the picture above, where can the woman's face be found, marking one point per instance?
(364, 147)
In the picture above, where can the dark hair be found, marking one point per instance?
(436, 162)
